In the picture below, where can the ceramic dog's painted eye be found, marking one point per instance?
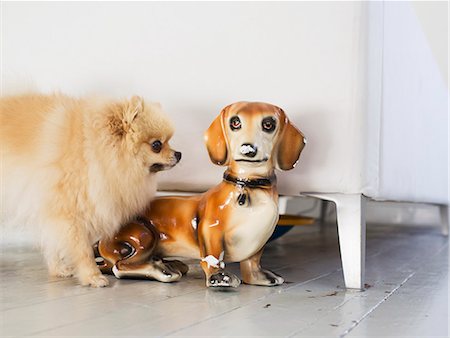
(269, 124)
(235, 123)
(156, 146)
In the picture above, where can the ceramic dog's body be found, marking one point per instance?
(243, 232)
(232, 221)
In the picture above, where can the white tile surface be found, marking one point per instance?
(407, 294)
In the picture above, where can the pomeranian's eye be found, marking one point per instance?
(269, 124)
(235, 123)
(156, 146)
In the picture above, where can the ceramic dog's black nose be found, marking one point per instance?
(178, 156)
(249, 150)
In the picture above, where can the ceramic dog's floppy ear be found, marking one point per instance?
(290, 145)
(124, 113)
(216, 142)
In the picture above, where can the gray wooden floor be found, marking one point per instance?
(406, 295)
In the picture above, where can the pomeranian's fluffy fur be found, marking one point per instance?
(76, 169)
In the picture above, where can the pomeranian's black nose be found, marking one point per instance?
(249, 150)
(178, 156)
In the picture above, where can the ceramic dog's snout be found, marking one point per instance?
(248, 150)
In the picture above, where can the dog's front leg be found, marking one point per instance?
(252, 273)
(77, 248)
(212, 262)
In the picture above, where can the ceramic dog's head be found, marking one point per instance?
(254, 136)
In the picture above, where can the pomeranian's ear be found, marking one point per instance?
(124, 113)
(216, 142)
(134, 108)
(290, 145)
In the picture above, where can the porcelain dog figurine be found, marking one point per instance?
(231, 222)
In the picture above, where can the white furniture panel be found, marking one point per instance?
(414, 133)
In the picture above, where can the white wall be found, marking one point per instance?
(195, 58)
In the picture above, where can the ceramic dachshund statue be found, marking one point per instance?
(231, 222)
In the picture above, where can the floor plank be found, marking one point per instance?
(426, 291)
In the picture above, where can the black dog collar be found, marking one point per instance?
(250, 183)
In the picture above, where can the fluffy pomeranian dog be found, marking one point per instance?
(76, 169)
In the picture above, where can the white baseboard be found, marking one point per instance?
(376, 212)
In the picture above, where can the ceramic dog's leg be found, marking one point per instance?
(176, 265)
(212, 253)
(130, 255)
(155, 268)
(252, 273)
(217, 277)
(103, 264)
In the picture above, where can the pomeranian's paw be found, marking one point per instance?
(96, 281)
(58, 268)
(63, 272)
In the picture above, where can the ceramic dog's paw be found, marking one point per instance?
(265, 278)
(158, 269)
(223, 280)
(176, 265)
